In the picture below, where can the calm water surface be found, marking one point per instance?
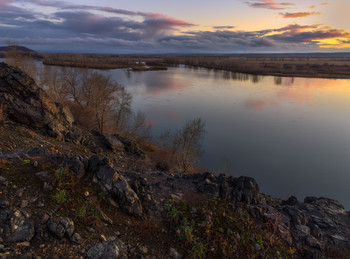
(291, 134)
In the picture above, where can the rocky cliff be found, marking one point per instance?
(67, 192)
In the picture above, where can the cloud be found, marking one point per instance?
(84, 28)
(299, 14)
(223, 27)
(300, 36)
(297, 27)
(268, 4)
(217, 41)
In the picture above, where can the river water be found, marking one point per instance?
(291, 134)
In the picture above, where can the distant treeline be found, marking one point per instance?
(300, 65)
(325, 65)
(105, 61)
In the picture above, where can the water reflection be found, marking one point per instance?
(291, 134)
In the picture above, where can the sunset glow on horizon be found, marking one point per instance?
(135, 26)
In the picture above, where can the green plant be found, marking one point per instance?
(26, 162)
(81, 212)
(61, 197)
(170, 207)
(61, 174)
(187, 230)
(198, 250)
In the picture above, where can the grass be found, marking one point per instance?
(215, 229)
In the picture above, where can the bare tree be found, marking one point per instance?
(186, 143)
(122, 106)
(98, 96)
(72, 81)
(139, 128)
(51, 81)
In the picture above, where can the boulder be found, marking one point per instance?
(112, 143)
(28, 104)
(115, 185)
(112, 248)
(16, 227)
(61, 227)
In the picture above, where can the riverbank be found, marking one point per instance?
(319, 65)
(337, 67)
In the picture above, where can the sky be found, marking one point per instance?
(181, 26)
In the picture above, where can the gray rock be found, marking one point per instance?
(115, 185)
(76, 238)
(112, 143)
(112, 248)
(61, 227)
(312, 242)
(76, 165)
(126, 197)
(28, 104)
(17, 228)
(302, 229)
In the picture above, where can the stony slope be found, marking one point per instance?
(67, 193)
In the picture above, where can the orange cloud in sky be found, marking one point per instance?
(299, 14)
(268, 4)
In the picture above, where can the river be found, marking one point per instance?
(291, 134)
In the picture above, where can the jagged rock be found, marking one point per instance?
(208, 185)
(106, 176)
(16, 227)
(77, 165)
(28, 104)
(61, 227)
(292, 200)
(113, 248)
(246, 190)
(131, 146)
(115, 185)
(112, 143)
(126, 197)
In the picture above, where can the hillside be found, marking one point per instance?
(67, 192)
(18, 48)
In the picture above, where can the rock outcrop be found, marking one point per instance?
(28, 104)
